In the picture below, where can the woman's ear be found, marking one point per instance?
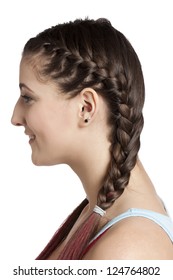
(89, 102)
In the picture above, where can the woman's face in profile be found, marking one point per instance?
(47, 117)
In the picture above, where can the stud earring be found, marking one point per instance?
(86, 120)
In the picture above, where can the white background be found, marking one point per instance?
(35, 200)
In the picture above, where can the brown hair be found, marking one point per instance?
(92, 53)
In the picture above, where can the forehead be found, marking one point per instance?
(28, 73)
(28, 79)
(32, 64)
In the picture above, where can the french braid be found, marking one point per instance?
(93, 54)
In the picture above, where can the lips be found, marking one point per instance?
(31, 137)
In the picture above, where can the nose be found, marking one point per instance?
(17, 118)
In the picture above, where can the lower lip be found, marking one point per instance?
(31, 141)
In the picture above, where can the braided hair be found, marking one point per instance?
(92, 53)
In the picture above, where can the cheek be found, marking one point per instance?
(36, 122)
(50, 124)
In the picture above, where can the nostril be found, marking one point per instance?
(17, 124)
(16, 121)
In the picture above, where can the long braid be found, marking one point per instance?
(125, 141)
(93, 54)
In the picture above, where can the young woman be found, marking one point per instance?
(82, 95)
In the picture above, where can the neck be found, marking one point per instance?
(92, 169)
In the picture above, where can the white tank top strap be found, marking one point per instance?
(163, 221)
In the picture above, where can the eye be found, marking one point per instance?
(26, 98)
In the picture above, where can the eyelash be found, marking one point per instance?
(26, 98)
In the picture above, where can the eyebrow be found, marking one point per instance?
(22, 85)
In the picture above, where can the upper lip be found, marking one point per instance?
(30, 134)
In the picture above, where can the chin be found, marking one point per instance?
(43, 162)
(37, 161)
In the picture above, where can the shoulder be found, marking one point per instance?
(134, 238)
